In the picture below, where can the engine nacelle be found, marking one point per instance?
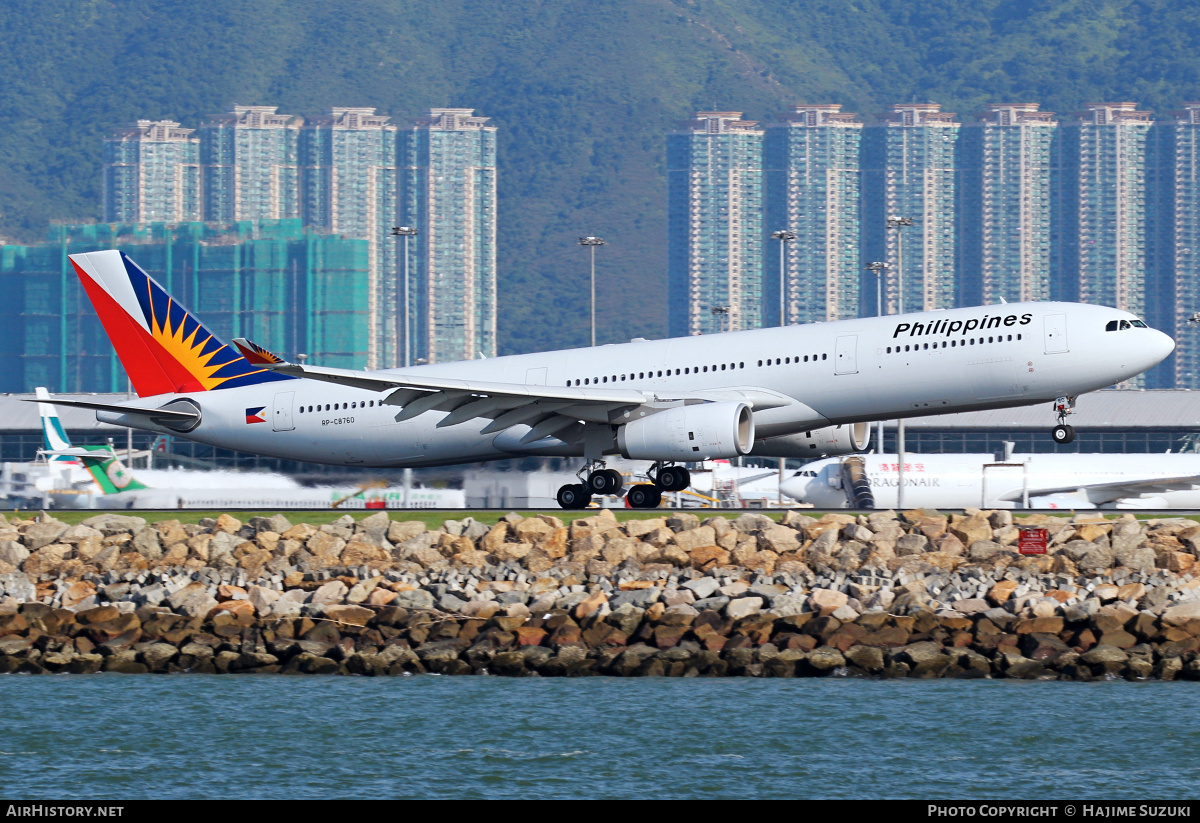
(704, 431)
(831, 441)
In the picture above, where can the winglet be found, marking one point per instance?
(257, 355)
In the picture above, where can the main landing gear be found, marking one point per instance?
(601, 481)
(1064, 433)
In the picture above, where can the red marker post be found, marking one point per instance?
(1033, 540)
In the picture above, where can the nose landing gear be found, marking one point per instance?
(1064, 433)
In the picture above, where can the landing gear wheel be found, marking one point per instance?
(644, 496)
(1064, 433)
(605, 481)
(674, 478)
(615, 481)
(574, 496)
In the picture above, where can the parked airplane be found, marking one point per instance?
(1038, 481)
(796, 391)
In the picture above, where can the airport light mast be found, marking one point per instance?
(899, 224)
(406, 232)
(878, 268)
(591, 242)
(784, 237)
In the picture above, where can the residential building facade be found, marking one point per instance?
(447, 163)
(1005, 233)
(909, 170)
(812, 189)
(349, 188)
(151, 174)
(250, 158)
(715, 224)
(1175, 231)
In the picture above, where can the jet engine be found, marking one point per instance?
(703, 431)
(831, 441)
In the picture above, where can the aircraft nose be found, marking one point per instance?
(1160, 346)
(1163, 346)
(794, 487)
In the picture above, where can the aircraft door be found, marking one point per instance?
(281, 418)
(535, 377)
(1056, 334)
(845, 354)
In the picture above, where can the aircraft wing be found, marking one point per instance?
(1118, 489)
(548, 410)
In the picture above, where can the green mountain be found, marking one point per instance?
(583, 92)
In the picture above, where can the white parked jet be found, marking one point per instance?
(1038, 481)
(797, 391)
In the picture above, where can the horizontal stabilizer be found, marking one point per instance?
(77, 451)
(155, 414)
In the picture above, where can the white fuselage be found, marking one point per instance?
(838, 372)
(1050, 481)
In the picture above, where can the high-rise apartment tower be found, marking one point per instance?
(909, 168)
(251, 165)
(811, 170)
(152, 174)
(1005, 163)
(715, 240)
(349, 187)
(448, 193)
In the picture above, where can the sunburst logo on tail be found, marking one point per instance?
(165, 348)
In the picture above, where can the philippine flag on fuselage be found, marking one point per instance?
(258, 415)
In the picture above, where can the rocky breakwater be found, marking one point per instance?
(913, 594)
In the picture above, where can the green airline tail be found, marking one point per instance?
(109, 473)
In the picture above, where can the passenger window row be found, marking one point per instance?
(594, 381)
(354, 404)
(970, 341)
(789, 360)
(650, 375)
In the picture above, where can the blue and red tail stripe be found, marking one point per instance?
(163, 347)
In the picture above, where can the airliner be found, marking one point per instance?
(793, 391)
(1038, 481)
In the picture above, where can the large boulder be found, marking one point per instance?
(192, 600)
(43, 533)
(110, 524)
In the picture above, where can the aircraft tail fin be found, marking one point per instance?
(109, 472)
(164, 348)
(54, 437)
(256, 355)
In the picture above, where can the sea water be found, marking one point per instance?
(97, 737)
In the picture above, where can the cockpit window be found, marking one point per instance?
(1111, 326)
(1139, 324)
(1125, 324)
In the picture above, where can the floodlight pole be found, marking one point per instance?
(406, 232)
(591, 242)
(878, 268)
(900, 224)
